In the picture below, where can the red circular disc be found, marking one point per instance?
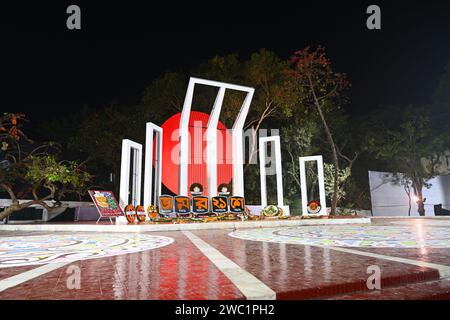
(197, 152)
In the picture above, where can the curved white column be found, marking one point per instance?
(237, 135)
(263, 141)
(152, 190)
(129, 146)
(211, 143)
(320, 179)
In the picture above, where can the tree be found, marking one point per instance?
(412, 148)
(98, 139)
(265, 72)
(298, 140)
(329, 179)
(402, 180)
(279, 101)
(163, 97)
(316, 86)
(35, 171)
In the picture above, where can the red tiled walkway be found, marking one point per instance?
(177, 271)
(294, 271)
(299, 272)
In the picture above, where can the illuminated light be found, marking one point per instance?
(421, 238)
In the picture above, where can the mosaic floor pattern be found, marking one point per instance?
(352, 236)
(42, 249)
(434, 223)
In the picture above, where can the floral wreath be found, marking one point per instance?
(224, 185)
(152, 212)
(140, 213)
(271, 211)
(130, 213)
(196, 185)
(314, 207)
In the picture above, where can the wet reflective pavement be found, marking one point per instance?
(306, 262)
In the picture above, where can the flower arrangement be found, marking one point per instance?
(130, 213)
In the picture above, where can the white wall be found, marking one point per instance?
(391, 200)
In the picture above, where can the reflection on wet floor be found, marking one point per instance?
(293, 270)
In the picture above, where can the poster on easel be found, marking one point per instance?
(106, 204)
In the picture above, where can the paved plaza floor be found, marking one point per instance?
(300, 262)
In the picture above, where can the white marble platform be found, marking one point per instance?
(178, 227)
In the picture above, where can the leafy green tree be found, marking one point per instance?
(98, 139)
(264, 71)
(277, 103)
(163, 97)
(405, 182)
(317, 87)
(34, 171)
(298, 141)
(301, 140)
(343, 175)
(411, 147)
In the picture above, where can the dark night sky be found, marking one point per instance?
(47, 70)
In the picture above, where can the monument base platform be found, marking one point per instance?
(145, 227)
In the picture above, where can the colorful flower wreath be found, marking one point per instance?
(130, 213)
